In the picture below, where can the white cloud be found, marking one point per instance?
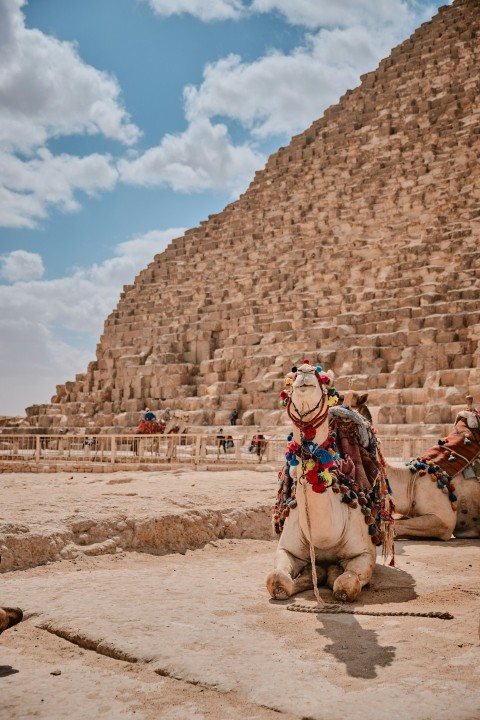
(82, 300)
(32, 362)
(282, 94)
(21, 265)
(37, 315)
(341, 13)
(200, 158)
(205, 10)
(30, 187)
(47, 91)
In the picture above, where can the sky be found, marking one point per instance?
(125, 122)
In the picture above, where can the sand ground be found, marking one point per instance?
(168, 617)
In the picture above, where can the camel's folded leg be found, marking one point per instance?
(424, 526)
(290, 576)
(292, 571)
(358, 572)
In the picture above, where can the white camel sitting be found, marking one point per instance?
(426, 511)
(328, 514)
(452, 466)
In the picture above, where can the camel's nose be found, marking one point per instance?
(304, 379)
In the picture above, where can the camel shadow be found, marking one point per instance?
(6, 670)
(355, 646)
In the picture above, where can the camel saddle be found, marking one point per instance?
(357, 447)
(150, 427)
(459, 449)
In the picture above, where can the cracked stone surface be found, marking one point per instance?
(47, 517)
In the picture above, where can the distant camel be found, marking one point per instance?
(438, 493)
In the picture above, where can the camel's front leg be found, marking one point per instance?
(292, 570)
(290, 575)
(425, 526)
(358, 572)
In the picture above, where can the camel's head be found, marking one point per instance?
(359, 403)
(307, 391)
(471, 414)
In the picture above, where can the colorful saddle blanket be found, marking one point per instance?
(150, 427)
(457, 451)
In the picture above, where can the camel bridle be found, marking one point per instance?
(321, 406)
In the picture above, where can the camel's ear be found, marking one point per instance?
(331, 375)
(362, 399)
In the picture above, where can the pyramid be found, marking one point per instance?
(356, 246)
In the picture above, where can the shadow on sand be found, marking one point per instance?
(356, 646)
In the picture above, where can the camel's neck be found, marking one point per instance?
(321, 434)
(327, 516)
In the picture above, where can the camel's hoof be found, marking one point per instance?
(279, 593)
(9, 617)
(347, 587)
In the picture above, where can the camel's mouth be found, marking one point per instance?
(305, 382)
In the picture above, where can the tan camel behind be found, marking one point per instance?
(426, 511)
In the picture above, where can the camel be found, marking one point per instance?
(9, 617)
(359, 404)
(325, 508)
(426, 511)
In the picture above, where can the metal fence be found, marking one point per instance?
(139, 450)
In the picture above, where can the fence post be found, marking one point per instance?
(238, 447)
(37, 448)
(113, 449)
(198, 445)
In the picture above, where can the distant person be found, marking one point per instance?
(149, 415)
(221, 441)
(258, 444)
(167, 415)
(233, 418)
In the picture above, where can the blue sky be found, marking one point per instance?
(125, 122)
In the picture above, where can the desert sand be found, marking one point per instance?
(144, 596)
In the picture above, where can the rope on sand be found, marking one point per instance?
(339, 609)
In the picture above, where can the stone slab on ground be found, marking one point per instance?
(47, 517)
(204, 620)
